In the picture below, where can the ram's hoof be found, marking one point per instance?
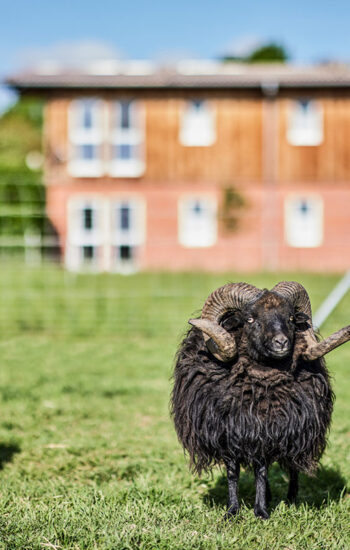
(261, 512)
(231, 513)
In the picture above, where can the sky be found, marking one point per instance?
(34, 30)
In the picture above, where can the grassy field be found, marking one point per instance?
(88, 453)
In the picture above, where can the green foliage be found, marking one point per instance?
(233, 203)
(27, 109)
(22, 201)
(88, 454)
(20, 132)
(268, 53)
(22, 194)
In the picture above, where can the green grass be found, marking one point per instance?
(88, 453)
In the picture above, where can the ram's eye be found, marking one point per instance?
(250, 320)
(291, 318)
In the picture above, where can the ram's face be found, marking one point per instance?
(238, 318)
(269, 325)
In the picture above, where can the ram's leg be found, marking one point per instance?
(260, 506)
(293, 485)
(232, 468)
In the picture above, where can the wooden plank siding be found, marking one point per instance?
(236, 155)
(327, 162)
(56, 139)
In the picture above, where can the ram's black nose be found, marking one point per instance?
(280, 342)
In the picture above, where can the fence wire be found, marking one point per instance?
(48, 299)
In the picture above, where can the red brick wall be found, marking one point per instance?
(245, 249)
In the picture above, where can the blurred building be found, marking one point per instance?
(203, 165)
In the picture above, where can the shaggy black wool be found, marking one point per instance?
(248, 411)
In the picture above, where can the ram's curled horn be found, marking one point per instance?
(230, 297)
(297, 294)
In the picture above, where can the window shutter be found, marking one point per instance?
(304, 221)
(305, 123)
(197, 222)
(198, 124)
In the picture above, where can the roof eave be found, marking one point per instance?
(22, 86)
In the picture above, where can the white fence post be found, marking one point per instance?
(332, 300)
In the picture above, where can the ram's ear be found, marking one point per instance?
(232, 320)
(300, 318)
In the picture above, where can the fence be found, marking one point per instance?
(49, 300)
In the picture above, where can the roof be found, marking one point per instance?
(185, 74)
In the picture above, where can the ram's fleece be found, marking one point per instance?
(251, 387)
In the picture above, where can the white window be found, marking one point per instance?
(197, 223)
(305, 123)
(127, 139)
(198, 124)
(304, 221)
(127, 233)
(86, 234)
(86, 125)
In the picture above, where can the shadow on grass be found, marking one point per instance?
(7, 451)
(328, 485)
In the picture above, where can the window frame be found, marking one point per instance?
(103, 237)
(133, 136)
(133, 237)
(79, 136)
(79, 237)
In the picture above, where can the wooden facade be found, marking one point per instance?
(327, 162)
(235, 156)
(251, 155)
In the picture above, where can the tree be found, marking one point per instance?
(22, 193)
(269, 53)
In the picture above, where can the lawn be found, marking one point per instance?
(88, 453)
